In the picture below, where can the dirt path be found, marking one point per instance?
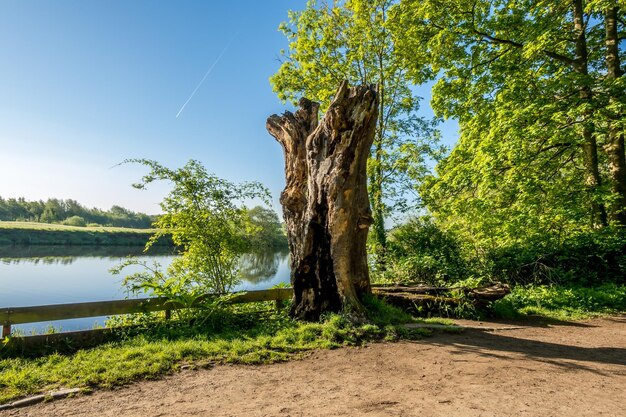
(566, 369)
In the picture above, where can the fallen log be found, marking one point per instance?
(428, 300)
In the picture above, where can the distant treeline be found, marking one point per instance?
(72, 213)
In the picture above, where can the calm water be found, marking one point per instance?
(40, 275)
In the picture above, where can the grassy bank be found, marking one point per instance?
(30, 233)
(247, 334)
(562, 302)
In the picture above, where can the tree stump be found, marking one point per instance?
(325, 203)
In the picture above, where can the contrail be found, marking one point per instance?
(207, 74)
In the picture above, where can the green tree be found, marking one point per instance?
(348, 40)
(53, 211)
(206, 219)
(266, 231)
(528, 82)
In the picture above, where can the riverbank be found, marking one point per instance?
(31, 233)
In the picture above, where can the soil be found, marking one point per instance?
(529, 369)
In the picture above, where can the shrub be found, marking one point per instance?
(75, 221)
(421, 251)
(207, 221)
(587, 259)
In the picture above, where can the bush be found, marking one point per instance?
(587, 259)
(207, 222)
(75, 221)
(421, 251)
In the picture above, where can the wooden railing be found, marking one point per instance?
(21, 315)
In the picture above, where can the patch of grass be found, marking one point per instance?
(66, 228)
(234, 336)
(562, 303)
(31, 233)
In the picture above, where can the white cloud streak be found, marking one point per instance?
(206, 75)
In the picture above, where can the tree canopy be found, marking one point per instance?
(348, 40)
(539, 92)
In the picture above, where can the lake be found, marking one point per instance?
(40, 275)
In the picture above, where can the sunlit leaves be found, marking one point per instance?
(510, 72)
(336, 40)
(206, 219)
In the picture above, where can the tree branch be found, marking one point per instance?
(494, 39)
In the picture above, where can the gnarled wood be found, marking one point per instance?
(325, 202)
(422, 299)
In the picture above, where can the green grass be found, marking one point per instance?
(240, 337)
(562, 303)
(60, 227)
(31, 233)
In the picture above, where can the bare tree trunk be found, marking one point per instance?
(615, 137)
(590, 146)
(325, 202)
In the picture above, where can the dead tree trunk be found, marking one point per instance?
(325, 202)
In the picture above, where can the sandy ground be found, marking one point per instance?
(564, 369)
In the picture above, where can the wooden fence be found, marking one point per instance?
(21, 315)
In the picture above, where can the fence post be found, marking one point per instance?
(6, 330)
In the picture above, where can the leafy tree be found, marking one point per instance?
(539, 93)
(348, 40)
(53, 211)
(266, 231)
(206, 219)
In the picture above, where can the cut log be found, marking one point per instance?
(325, 202)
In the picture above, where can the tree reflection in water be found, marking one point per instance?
(260, 266)
(66, 255)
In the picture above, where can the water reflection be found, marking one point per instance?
(257, 267)
(258, 270)
(66, 255)
(41, 275)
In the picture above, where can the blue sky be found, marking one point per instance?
(87, 84)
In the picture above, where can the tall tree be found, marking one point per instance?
(526, 79)
(616, 108)
(348, 40)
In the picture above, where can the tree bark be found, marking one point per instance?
(614, 147)
(590, 146)
(325, 202)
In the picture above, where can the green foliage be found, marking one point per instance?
(348, 40)
(31, 233)
(74, 221)
(587, 259)
(532, 110)
(420, 251)
(206, 219)
(180, 290)
(265, 230)
(383, 314)
(61, 211)
(562, 303)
